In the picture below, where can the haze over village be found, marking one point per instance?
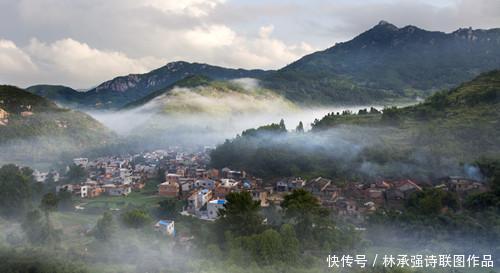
(249, 136)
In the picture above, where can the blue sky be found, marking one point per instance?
(84, 42)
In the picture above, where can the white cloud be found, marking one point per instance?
(13, 59)
(67, 61)
(265, 31)
(210, 36)
(114, 37)
(195, 8)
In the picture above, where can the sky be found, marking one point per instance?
(81, 43)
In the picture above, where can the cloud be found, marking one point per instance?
(195, 8)
(134, 35)
(67, 61)
(13, 59)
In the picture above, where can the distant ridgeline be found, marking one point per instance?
(422, 141)
(383, 63)
(123, 90)
(34, 127)
(386, 62)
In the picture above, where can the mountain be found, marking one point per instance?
(384, 63)
(387, 61)
(427, 141)
(463, 122)
(187, 82)
(34, 127)
(59, 93)
(201, 94)
(125, 89)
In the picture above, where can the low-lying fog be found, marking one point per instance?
(207, 115)
(209, 129)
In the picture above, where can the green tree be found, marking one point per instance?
(39, 229)
(136, 218)
(76, 174)
(300, 128)
(169, 208)
(241, 214)
(65, 200)
(49, 202)
(105, 227)
(301, 208)
(290, 244)
(431, 201)
(282, 125)
(15, 190)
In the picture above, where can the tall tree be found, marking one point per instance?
(300, 128)
(136, 218)
(49, 202)
(241, 214)
(76, 174)
(105, 227)
(39, 229)
(302, 209)
(15, 190)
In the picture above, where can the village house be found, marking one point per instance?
(402, 190)
(463, 185)
(213, 208)
(317, 186)
(186, 184)
(260, 195)
(205, 184)
(166, 227)
(81, 162)
(4, 117)
(168, 189)
(347, 207)
(114, 190)
(198, 199)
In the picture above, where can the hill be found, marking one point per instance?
(32, 127)
(122, 90)
(386, 62)
(189, 81)
(58, 93)
(424, 142)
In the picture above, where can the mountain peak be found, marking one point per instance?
(386, 24)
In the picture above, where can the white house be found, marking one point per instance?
(81, 162)
(205, 183)
(40, 177)
(213, 208)
(166, 227)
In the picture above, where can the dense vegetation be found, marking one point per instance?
(40, 129)
(423, 142)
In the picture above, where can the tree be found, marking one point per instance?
(241, 214)
(300, 128)
(76, 174)
(65, 200)
(282, 125)
(290, 244)
(169, 208)
(136, 218)
(105, 227)
(49, 202)
(39, 229)
(302, 209)
(431, 201)
(15, 190)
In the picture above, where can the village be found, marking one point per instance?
(185, 177)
